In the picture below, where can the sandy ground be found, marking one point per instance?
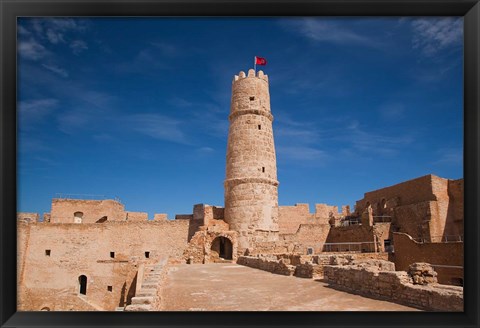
(232, 287)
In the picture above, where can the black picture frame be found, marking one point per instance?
(10, 10)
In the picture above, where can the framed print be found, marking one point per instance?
(221, 163)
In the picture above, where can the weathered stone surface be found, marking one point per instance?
(398, 286)
(422, 273)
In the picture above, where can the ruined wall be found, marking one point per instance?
(396, 286)
(408, 251)
(63, 210)
(52, 279)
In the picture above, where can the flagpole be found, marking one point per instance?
(255, 64)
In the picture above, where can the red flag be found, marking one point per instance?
(260, 61)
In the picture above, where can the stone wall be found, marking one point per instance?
(427, 207)
(54, 256)
(380, 281)
(307, 236)
(136, 216)
(291, 217)
(27, 217)
(302, 266)
(63, 210)
(445, 257)
(268, 263)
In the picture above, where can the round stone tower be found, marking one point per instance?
(251, 185)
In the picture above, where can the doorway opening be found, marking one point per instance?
(223, 247)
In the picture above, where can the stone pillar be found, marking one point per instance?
(251, 186)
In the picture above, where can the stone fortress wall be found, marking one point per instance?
(53, 256)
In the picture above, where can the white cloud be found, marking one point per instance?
(180, 102)
(302, 153)
(36, 109)
(321, 30)
(433, 34)
(32, 50)
(157, 126)
(57, 70)
(450, 156)
(78, 46)
(54, 37)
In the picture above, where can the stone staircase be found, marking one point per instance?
(147, 297)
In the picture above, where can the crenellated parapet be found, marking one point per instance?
(251, 73)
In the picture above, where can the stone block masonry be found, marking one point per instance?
(378, 280)
(251, 185)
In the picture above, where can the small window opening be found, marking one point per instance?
(112, 255)
(252, 98)
(110, 288)
(82, 280)
(309, 250)
(263, 169)
(259, 127)
(147, 255)
(47, 252)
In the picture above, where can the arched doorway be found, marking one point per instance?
(223, 247)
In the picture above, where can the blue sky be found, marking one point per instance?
(137, 108)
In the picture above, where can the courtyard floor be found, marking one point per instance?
(232, 287)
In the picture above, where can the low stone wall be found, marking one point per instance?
(268, 263)
(303, 266)
(378, 280)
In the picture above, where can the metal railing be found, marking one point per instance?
(357, 247)
(440, 239)
(85, 197)
(382, 218)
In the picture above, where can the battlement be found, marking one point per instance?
(251, 73)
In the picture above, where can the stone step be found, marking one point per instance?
(149, 285)
(139, 307)
(119, 308)
(143, 300)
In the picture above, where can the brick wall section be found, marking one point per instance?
(408, 251)
(63, 210)
(84, 249)
(394, 286)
